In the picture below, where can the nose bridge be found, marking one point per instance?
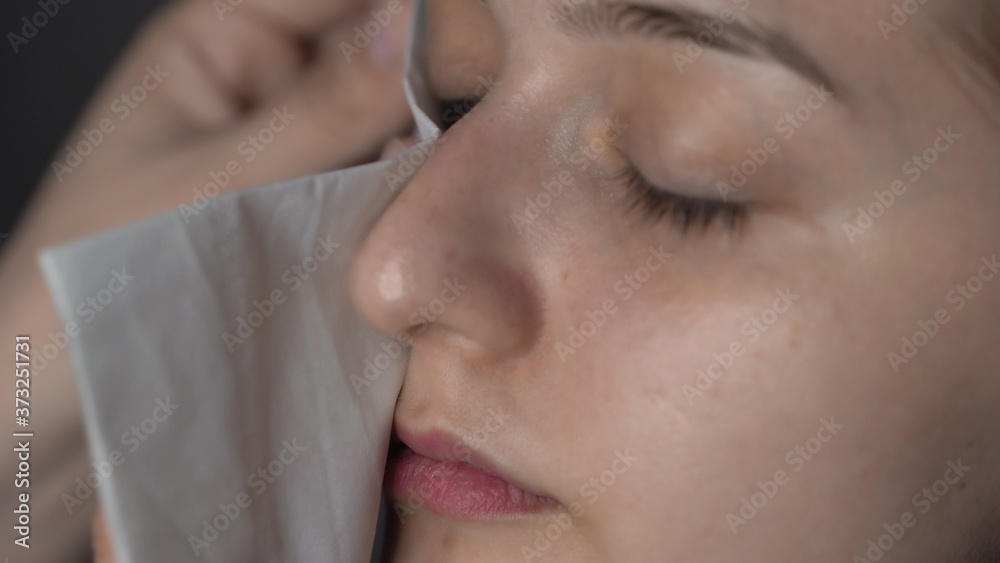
(445, 255)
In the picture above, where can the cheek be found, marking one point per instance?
(680, 353)
(704, 379)
(714, 383)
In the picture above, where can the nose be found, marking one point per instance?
(445, 258)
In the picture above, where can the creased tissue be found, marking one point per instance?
(242, 406)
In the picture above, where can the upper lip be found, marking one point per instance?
(444, 446)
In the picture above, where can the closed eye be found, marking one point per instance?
(688, 213)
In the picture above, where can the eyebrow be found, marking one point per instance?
(742, 36)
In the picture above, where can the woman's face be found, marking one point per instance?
(728, 297)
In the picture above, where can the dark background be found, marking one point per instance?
(48, 81)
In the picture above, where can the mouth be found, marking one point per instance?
(444, 475)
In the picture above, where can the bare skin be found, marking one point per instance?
(842, 382)
(812, 407)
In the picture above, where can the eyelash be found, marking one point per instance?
(686, 212)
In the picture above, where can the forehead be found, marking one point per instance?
(830, 31)
(841, 30)
(867, 44)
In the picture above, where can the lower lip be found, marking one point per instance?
(457, 489)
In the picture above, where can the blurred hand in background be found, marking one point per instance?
(212, 97)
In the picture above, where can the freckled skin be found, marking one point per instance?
(749, 375)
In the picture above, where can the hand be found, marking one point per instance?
(103, 549)
(235, 92)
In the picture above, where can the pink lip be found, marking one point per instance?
(438, 472)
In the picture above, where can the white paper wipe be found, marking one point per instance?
(217, 380)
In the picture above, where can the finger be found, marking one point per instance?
(340, 113)
(305, 17)
(200, 67)
(103, 551)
